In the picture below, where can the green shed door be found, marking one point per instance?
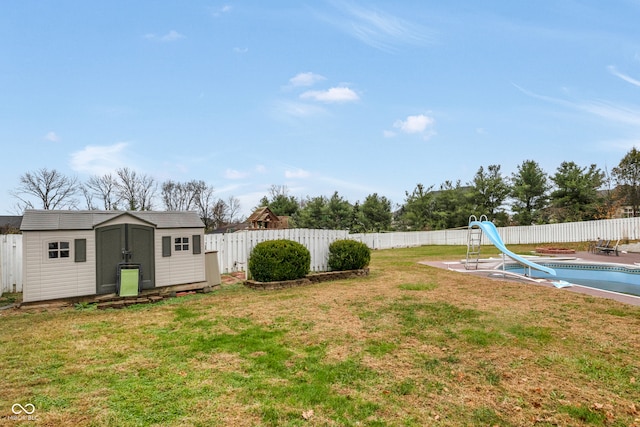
(123, 243)
(140, 244)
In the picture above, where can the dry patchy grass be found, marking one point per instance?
(409, 345)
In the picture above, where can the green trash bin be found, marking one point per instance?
(129, 280)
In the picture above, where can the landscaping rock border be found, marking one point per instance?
(309, 279)
(555, 251)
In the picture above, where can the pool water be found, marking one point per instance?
(613, 278)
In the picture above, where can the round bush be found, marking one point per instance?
(348, 255)
(276, 260)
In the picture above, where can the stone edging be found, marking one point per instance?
(309, 279)
(544, 250)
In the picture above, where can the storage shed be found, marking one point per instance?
(79, 253)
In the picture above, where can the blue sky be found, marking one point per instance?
(321, 96)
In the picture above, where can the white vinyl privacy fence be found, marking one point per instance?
(10, 263)
(234, 248)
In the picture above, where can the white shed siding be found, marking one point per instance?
(57, 278)
(180, 267)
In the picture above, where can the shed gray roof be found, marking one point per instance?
(12, 221)
(40, 220)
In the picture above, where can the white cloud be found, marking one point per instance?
(624, 77)
(171, 36)
(241, 49)
(51, 136)
(224, 9)
(235, 174)
(342, 184)
(379, 29)
(613, 112)
(619, 145)
(388, 133)
(306, 79)
(335, 94)
(99, 160)
(297, 109)
(420, 123)
(261, 169)
(297, 173)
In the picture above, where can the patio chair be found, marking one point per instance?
(593, 245)
(608, 249)
(603, 244)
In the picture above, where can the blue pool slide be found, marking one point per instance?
(490, 230)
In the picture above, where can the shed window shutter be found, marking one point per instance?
(166, 246)
(80, 250)
(196, 244)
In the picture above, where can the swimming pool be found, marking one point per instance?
(610, 277)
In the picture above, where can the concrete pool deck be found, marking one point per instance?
(488, 268)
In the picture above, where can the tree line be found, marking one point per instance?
(124, 190)
(528, 196)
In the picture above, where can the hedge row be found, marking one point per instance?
(279, 260)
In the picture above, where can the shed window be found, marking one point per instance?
(80, 250)
(166, 246)
(197, 246)
(58, 250)
(181, 244)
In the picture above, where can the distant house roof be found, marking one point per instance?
(10, 222)
(263, 217)
(262, 213)
(86, 220)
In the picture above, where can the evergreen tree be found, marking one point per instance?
(312, 214)
(529, 191)
(627, 176)
(451, 206)
(416, 213)
(339, 213)
(280, 202)
(375, 213)
(576, 195)
(489, 192)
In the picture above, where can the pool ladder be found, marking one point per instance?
(474, 241)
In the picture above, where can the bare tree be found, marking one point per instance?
(276, 191)
(225, 212)
(147, 191)
(193, 195)
(178, 196)
(88, 198)
(105, 188)
(204, 202)
(137, 191)
(233, 205)
(52, 189)
(219, 214)
(127, 188)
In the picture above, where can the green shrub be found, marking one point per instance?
(275, 260)
(348, 255)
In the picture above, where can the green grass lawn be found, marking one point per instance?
(409, 345)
